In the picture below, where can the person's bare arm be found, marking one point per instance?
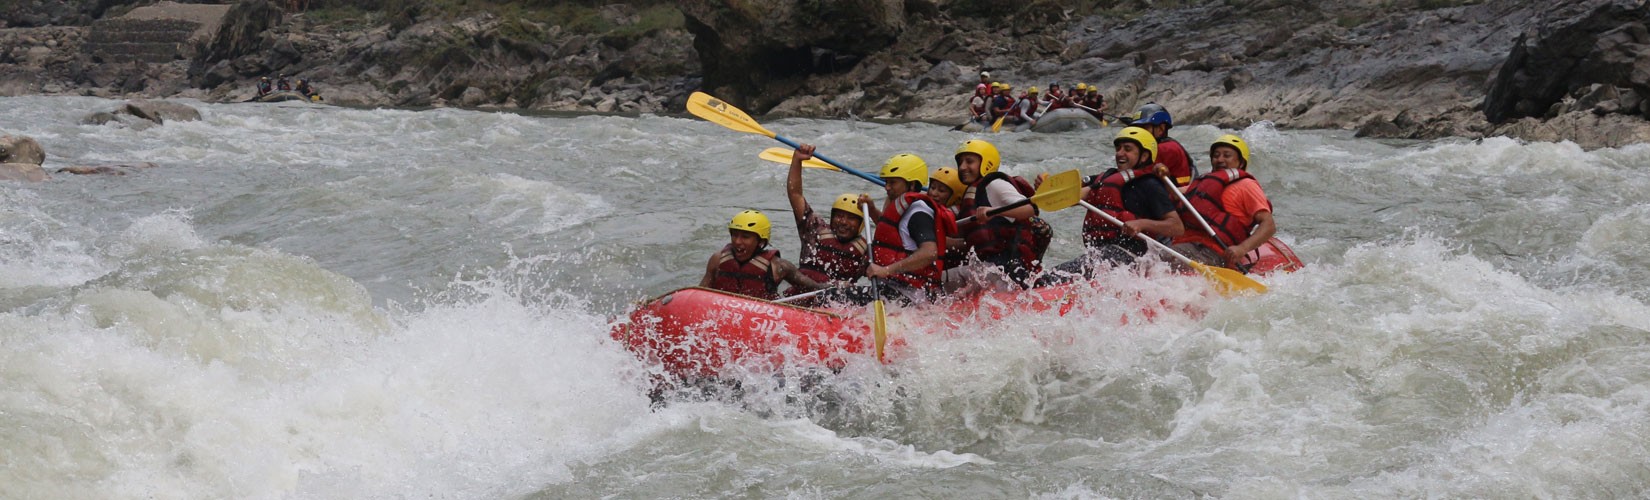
(1265, 229)
(923, 257)
(710, 272)
(787, 272)
(793, 180)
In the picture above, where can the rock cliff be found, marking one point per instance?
(1575, 70)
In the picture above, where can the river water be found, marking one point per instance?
(305, 301)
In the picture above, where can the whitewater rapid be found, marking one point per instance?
(305, 301)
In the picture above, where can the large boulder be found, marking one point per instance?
(757, 52)
(1585, 43)
(160, 111)
(153, 111)
(21, 149)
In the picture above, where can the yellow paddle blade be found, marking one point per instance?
(998, 125)
(783, 156)
(721, 113)
(1059, 191)
(879, 326)
(1229, 282)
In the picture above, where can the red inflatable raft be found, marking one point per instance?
(695, 333)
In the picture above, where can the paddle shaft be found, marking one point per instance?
(997, 211)
(1206, 228)
(1149, 240)
(1188, 204)
(1102, 113)
(879, 329)
(801, 296)
(826, 159)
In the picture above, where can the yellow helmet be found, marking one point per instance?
(848, 202)
(990, 159)
(1008, 87)
(1032, 90)
(1139, 136)
(948, 176)
(1236, 143)
(996, 85)
(752, 221)
(906, 166)
(1084, 86)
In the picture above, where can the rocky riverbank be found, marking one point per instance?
(1399, 69)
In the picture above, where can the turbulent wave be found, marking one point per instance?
(317, 302)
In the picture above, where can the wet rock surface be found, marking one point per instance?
(1402, 69)
(21, 149)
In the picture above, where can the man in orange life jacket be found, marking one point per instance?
(910, 233)
(1232, 203)
(1154, 118)
(832, 253)
(747, 267)
(1131, 193)
(1010, 241)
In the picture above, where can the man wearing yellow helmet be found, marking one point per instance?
(1232, 203)
(909, 242)
(1012, 240)
(1024, 111)
(1094, 101)
(747, 266)
(1131, 193)
(1003, 102)
(832, 253)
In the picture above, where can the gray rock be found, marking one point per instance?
(108, 169)
(160, 111)
(946, 74)
(1630, 101)
(472, 97)
(752, 37)
(21, 149)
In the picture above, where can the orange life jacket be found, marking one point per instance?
(1205, 198)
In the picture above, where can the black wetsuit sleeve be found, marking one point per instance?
(922, 227)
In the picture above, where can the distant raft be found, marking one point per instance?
(1059, 120)
(1066, 120)
(286, 95)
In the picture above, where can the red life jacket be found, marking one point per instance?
(1106, 194)
(1000, 237)
(1205, 198)
(834, 259)
(888, 248)
(1181, 167)
(752, 278)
